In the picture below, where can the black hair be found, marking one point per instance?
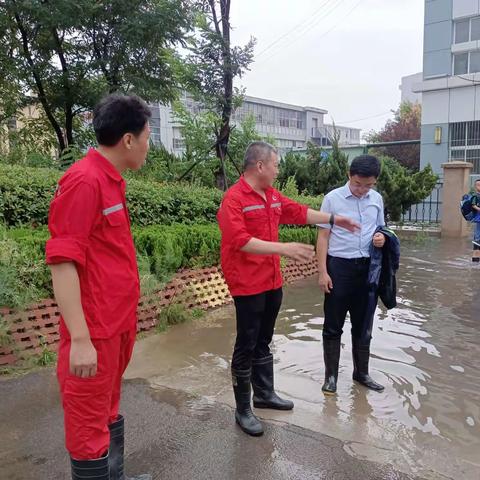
(365, 166)
(115, 115)
(258, 151)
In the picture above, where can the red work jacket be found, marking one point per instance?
(89, 225)
(244, 214)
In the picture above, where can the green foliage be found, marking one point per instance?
(26, 193)
(149, 283)
(213, 61)
(65, 55)
(151, 203)
(27, 141)
(401, 189)
(160, 166)
(178, 246)
(317, 172)
(298, 234)
(406, 125)
(24, 276)
(161, 251)
(290, 190)
(47, 357)
(175, 314)
(5, 337)
(200, 163)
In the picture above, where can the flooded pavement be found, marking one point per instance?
(426, 352)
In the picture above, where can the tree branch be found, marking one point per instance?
(38, 82)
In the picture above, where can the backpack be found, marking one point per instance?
(466, 207)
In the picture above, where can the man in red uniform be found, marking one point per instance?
(249, 217)
(95, 279)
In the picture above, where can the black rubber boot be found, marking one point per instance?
(476, 251)
(116, 453)
(331, 358)
(244, 416)
(361, 356)
(264, 395)
(92, 469)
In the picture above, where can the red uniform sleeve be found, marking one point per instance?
(232, 224)
(72, 216)
(293, 213)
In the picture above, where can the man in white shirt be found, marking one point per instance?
(344, 260)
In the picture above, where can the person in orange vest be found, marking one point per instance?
(249, 219)
(96, 284)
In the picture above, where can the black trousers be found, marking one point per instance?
(256, 316)
(349, 294)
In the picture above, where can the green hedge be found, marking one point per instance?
(161, 251)
(25, 195)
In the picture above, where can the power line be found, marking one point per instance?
(316, 23)
(298, 25)
(366, 118)
(312, 23)
(344, 18)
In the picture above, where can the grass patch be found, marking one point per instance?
(46, 358)
(175, 314)
(5, 337)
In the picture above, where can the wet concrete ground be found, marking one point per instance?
(169, 437)
(178, 399)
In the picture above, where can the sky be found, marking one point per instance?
(346, 56)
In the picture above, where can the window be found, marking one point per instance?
(462, 31)
(178, 143)
(464, 143)
(466, 63)
(460, 64)
(467, 30)
(474, 62)
(475, 29)
(291, 119)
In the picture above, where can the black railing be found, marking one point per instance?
(428, 211)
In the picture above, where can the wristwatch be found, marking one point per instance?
(332, 219)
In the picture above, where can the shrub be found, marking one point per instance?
(26, 193)
(161, 251)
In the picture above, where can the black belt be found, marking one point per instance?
(356, 261)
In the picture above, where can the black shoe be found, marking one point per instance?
(361, 356)
(244, 416)
(116, 452)
(264, 395)
(331, 358)
(90, 469)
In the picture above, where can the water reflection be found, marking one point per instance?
(426, 352)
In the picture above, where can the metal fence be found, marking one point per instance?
(428, 211)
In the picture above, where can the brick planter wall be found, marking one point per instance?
(33, 329)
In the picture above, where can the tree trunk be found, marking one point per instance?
(223, 135)
(42, 97)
